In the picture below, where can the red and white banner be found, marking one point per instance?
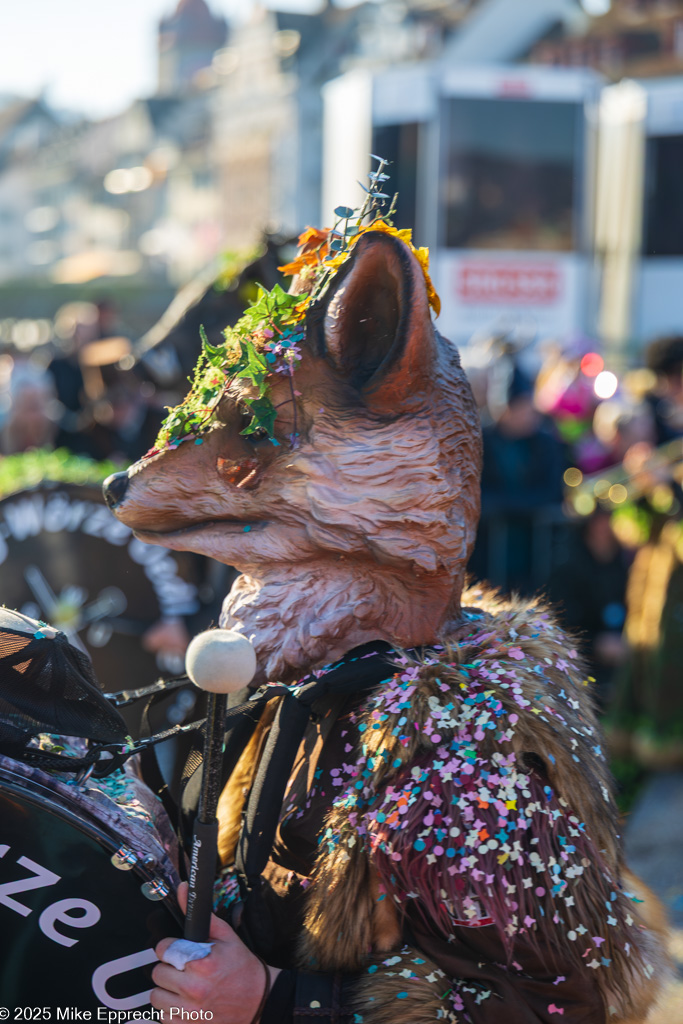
(483, 291)
(501, 283)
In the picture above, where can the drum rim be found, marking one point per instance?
(40, 795)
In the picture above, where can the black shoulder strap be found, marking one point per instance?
(359, 671)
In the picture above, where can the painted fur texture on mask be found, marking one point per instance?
(362, 529)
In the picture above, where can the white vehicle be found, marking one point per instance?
(493, 169)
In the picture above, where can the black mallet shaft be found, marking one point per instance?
(220, 662)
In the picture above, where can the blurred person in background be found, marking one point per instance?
(565, 393)
(621, 426)
(665, 359)
(31, 408)
(79, 325)
(589, 586)
(524, 462)
(645, 714)
(120, 420)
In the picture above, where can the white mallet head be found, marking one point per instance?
(220, 661)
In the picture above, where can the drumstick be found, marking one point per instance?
(220, 662)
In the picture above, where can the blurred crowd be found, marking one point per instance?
(581, 500)
(564, 439)
(81, 390)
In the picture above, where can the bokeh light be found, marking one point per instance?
(606, 384)
(584, 504)
(573, 477)
(128, 179)
(617, 494)
(592, 364)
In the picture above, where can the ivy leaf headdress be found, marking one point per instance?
(266, 340)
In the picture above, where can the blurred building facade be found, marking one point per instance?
(488, 109)
(634, 39)
(188, 39)
(230, 145)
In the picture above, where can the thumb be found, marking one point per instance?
(218, 928)
(181, 896)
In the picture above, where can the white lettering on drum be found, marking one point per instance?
(115, 967)
(57, 513)
(79, 510)
(59, 912)
(97, 522)
(25, 518)
(117, 532)
(143, 553)
(176, 596)
(41, 877)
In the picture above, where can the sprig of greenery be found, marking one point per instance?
(351, 220)
(266, 339)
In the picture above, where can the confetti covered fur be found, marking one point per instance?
(480, 797)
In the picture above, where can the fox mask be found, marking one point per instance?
(362, 528)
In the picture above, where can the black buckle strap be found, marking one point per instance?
(320, 997)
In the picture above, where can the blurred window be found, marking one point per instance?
(509, 176)
(663, 235)
(398, 143)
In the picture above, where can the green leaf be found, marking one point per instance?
(344, 211)
(215, 354)
(263, 416)
(252, 366)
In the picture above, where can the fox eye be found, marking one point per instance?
(260, 434)
(246, 416)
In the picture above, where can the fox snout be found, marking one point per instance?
(114, 489)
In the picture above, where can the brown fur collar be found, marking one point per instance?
(481, 790)
(499, 727)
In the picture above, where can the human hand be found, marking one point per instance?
(167, 636)
(229, 982)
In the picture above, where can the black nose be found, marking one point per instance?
(114, 488)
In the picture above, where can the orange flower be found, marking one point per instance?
(421, 254)
(404, 235)
(312, 238)
(313, 250)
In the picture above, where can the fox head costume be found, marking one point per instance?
(361, 529)
(356, 526)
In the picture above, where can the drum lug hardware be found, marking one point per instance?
(124, 859)
(155, 890)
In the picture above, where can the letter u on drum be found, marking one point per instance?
(113, 967)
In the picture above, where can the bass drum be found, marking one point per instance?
(68, 561)
(87, 884)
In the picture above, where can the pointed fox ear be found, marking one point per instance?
(375, 327)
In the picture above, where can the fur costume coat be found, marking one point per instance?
(447, 845)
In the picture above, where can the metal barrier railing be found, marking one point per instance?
(519, 549)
